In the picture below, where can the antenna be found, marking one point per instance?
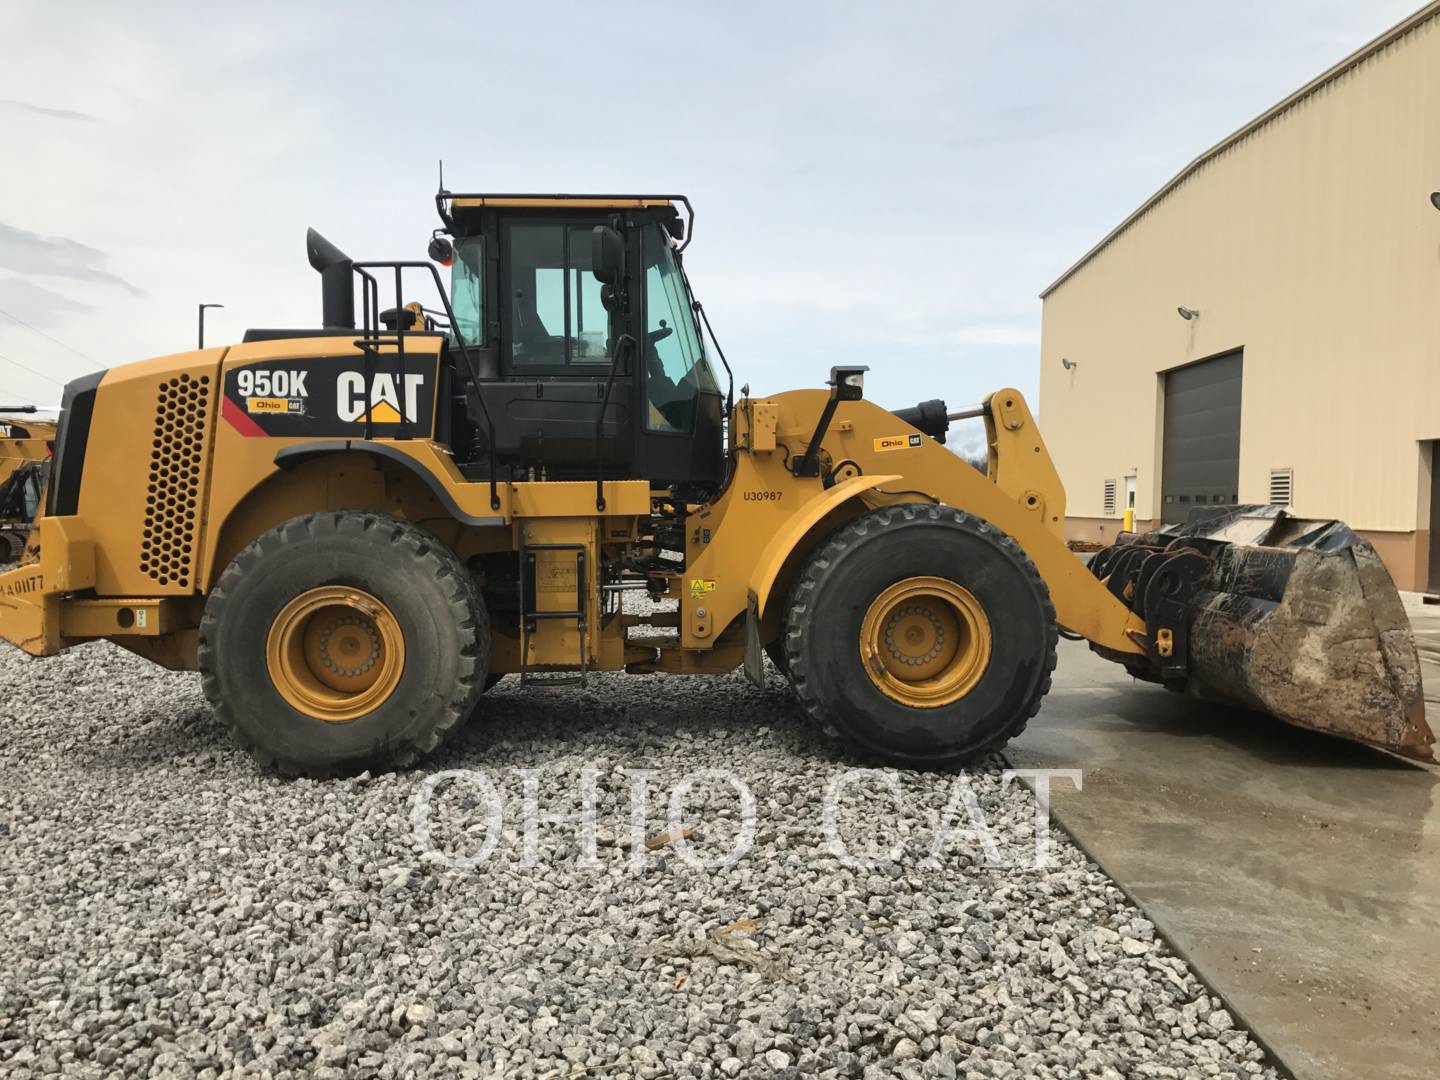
(442, 190)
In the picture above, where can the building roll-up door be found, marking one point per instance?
(1200, 451)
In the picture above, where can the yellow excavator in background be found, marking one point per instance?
(353, 531)
(25, 447)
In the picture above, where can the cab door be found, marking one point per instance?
(555, 350)
(681, 408)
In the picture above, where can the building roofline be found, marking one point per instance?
(1369, 49)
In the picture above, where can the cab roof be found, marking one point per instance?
(588, 202)
(451, 204)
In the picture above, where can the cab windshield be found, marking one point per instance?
(675, 365)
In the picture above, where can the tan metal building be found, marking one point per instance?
(1305, 251)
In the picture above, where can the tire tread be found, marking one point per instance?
(464, 602)
(850, 536)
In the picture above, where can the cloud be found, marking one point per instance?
(906, 219)
(35, 303)
(43, 110)
(56, 256)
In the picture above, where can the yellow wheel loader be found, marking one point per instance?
(353, 530)
(25, 443)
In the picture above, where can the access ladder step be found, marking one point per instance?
(531, 617)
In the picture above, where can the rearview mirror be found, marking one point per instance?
(607, 255)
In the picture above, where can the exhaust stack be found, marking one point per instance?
(337, 282)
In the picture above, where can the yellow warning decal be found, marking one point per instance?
(897, 442)
(700, 586)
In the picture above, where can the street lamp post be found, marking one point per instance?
(202, 322)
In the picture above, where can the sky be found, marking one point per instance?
(890, 184)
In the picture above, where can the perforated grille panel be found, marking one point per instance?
(177, 460)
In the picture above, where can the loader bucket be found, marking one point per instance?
(1292, 617)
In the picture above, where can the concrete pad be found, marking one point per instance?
(1300, 874)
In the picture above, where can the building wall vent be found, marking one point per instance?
(1282, 487)
(1109, 498)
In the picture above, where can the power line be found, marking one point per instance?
(47, 337)
(32, 371)
(23, 399)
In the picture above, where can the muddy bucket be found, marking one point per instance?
(1289, 616)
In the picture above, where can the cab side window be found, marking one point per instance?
(467, 289)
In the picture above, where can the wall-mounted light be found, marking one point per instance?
(1435, 199)
(1188, 313)
(1068, 364)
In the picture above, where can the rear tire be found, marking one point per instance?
(343, 641)
(922, 634)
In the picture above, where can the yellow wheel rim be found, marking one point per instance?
(925, 642)
(335, 653)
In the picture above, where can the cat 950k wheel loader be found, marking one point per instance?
(352, 531)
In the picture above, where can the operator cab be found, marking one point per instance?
(544, 339)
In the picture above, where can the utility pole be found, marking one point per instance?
(202, 322)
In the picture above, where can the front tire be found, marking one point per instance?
(922, 634)
(343, 641)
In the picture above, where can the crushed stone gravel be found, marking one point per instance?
(169, 908)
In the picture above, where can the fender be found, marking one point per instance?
(291, 456)
(772, 559)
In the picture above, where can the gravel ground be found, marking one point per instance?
(169, 908)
